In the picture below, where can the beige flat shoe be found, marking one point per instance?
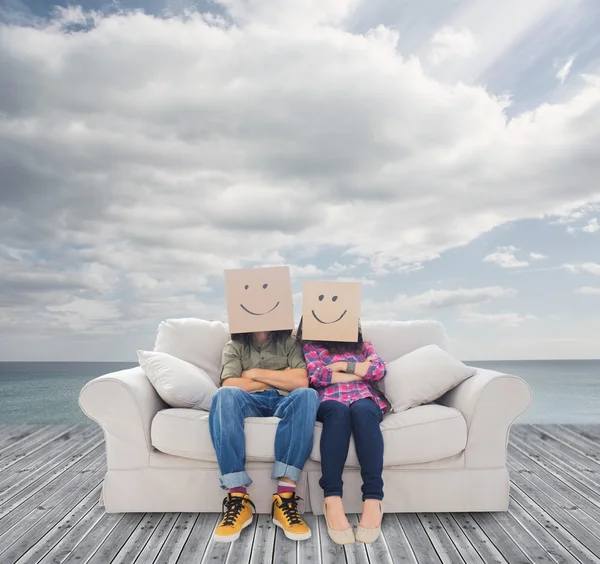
(369, 536)
(338, 537)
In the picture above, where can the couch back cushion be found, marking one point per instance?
(196, 341)
(201, 342)
(393, 339)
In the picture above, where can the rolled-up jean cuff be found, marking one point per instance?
(281, 470)
(235, 480)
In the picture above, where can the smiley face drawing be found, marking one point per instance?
(333, 299)
(264, 287)
(331, 311)
(259, 299)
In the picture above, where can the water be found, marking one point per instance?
(564, 391)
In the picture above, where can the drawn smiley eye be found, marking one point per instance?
(321, 297)
(334, 298)
(265, 286)
(246, 287)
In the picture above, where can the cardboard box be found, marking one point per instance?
(331, 311)
(259, 299)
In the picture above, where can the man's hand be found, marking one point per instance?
(338, 366)
(249, 374)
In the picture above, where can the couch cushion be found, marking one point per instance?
(421, 434)
(196, 341)
(184, 432)
(393, 339)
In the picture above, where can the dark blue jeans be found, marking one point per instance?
(293, 439)
(361, 419)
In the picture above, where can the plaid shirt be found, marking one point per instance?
(319, 375)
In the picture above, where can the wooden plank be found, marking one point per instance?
(567, 506)
(34, 442)
(137, 540)
(12, 434)
(26, 436)
(39, 490)
(398, 547)
(440, 539)
(50, 456)
(242, 548)
(585, 447)
(418, 539)
(521, 536)
(489, 540)
(157, 539)
(170, 550)
(589, 431)
(356, 553)
(264, 541)
(102, 542)
(197, 541)
(31, 527)
(284, 549)
(309, 551)
(581, 462)
(547, 532)
(549, 458)
(40, 549)
(94, 520)
(331, 553)
(459, 539)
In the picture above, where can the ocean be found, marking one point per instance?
(564, 391)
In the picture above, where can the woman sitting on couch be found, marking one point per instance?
(342, 373)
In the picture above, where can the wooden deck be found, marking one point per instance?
(50, 482)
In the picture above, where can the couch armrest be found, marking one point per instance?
(123, 403)
(490, 402)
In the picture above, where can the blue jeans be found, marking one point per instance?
(361, 419)
(293, 439)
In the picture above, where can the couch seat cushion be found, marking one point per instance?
(421, 434)
(184, 432)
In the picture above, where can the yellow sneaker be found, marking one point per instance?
(285, 515)
(237, 508)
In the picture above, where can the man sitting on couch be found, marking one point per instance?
(263, 374)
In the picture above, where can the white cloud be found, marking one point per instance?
(510, 319)
(564, 71)
(505, 257)
(143, 156)
(434, 300)
(588, 290)
(592, 226)
(537, 256)
(591, 267)
(448, 42)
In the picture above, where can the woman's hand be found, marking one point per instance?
(362, 368)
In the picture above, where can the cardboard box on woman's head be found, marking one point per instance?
(331, 311)
(259, 299)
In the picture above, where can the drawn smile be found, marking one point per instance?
(265, 313)
(328, 322)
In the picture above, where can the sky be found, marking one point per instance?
(446, 153)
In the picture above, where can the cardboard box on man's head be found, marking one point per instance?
(259, 299)
(331, 311)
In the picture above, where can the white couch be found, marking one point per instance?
(442, 457)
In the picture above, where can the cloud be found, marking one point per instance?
(592, 226)
(505, 258)
(591, 267)
(564, 71)
(509, 319)
(141, 156)
(436, 300)
(588, 290)
(448, 42)
(537, 256)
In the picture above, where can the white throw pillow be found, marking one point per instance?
(177, 382)
(422, 376)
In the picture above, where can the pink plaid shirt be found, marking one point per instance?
(317, 360)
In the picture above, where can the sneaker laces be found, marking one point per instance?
(289, 507)
(232, 507)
